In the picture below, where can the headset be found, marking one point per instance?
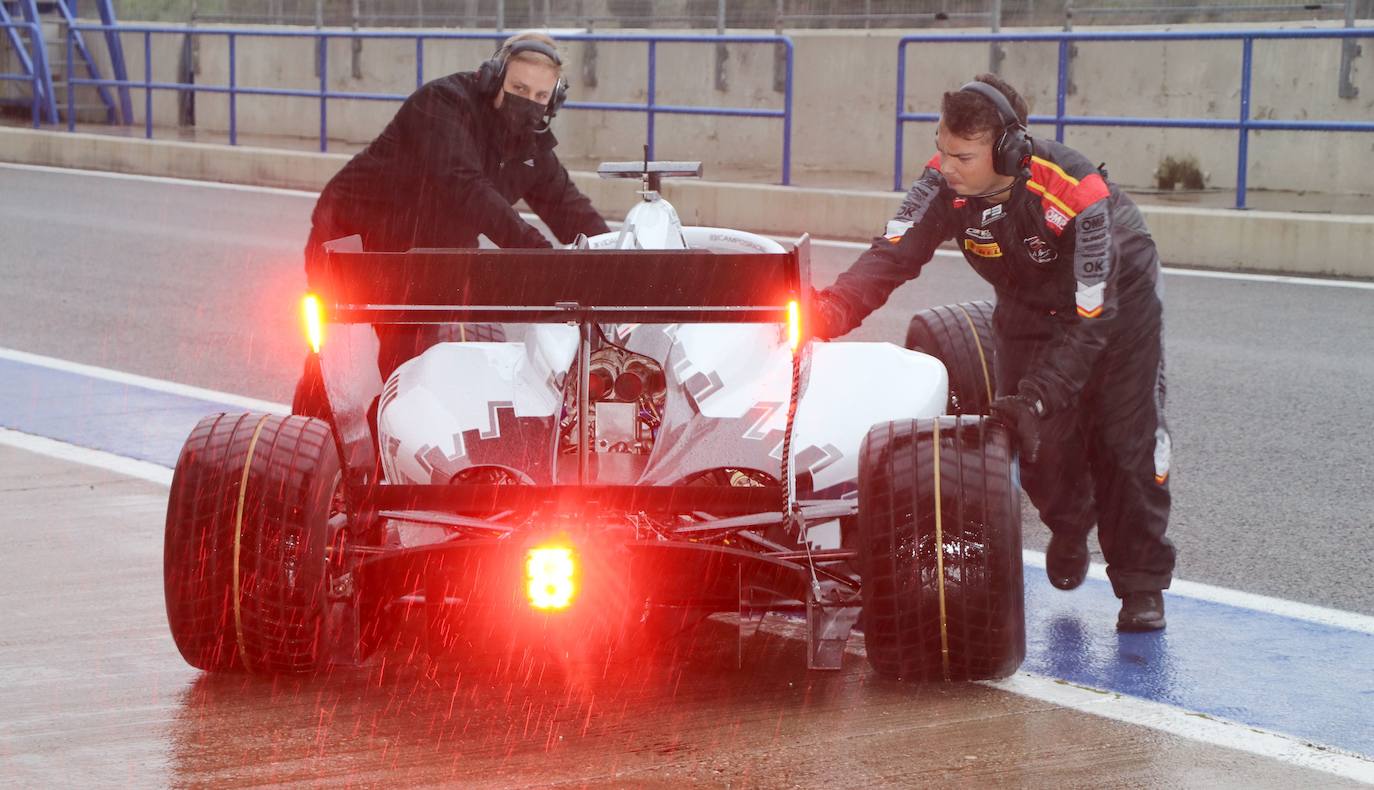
(491, 75)
(1011, 154)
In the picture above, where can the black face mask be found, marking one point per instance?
(522, 116)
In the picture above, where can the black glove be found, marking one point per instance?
(1021, 413)
(532, 239)
(827, 317)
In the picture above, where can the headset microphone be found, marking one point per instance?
(993, 193)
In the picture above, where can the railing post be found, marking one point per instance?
(1073, 50)
(35, 38)
(324, 88)
(787, 120)
(1349, 51)
(419, 62)
(233, 91)
(901, 107)
(147, 84)
(722, 52)
(995, 53)
(1247, 53)
(71, 89)
(649, 103)
(779, 56)
(1061, 89)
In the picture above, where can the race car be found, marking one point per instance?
(660, 442)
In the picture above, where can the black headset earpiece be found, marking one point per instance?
(1011, 154)
(491, 75)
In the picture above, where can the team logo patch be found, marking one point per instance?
(993, 214)
(979, 234)
(1040, 250)
(896, 229)
(1163, 452)
(1055, 219)
(988, 250)
(1089, 299)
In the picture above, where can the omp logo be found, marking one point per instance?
(979, 233)
(1055, 219)
(989, 250)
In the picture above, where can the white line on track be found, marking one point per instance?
(831, 243)
(157, 385)
(1193, 726)
(1153, 715)
(85, 456)
(186, 182)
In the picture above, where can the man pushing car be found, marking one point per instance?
(461, 151)
(1078, 327)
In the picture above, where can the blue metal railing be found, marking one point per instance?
(33, 73)
(650, 107)
(1244, 123)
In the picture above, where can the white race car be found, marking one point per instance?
(660, 444)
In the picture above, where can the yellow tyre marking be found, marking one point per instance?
(978, 342)
(940, 559)
(238, 533)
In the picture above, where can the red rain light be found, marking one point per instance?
(793, 325)
(313, 315)
(551, 577)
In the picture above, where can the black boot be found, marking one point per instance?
(1141, 611)
(1066, 561)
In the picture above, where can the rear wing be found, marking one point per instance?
(558, 286)
(586, 287)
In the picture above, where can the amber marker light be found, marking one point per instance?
(313, 314)
(793, 324)
(551, 577)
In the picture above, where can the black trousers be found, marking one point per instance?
(1105, 460)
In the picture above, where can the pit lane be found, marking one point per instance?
(197, 285)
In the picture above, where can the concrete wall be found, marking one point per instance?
(844, 103)
(1224, 239)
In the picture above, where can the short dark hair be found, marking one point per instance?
(969, 114)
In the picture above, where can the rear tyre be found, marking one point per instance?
(959, 335)
(244, 560)
(939, 534)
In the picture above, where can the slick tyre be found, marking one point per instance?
(959, 335)
(244, 561)
(939, 550)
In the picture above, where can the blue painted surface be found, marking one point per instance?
(1290, 676)
(124, 419)
(1295, 677)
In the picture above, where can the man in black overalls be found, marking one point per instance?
(461, 151)
(1078, 326)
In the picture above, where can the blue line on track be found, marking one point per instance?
(124, 419)
(1290, 676)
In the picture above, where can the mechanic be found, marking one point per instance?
(1078, 327)
(450, 166)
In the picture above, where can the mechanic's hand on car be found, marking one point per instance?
(532, 239)
(1021, 413)
(826, 315)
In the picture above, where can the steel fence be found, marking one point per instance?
(721, 15)
(650, 107)
(36, 72)
(1244, 124)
